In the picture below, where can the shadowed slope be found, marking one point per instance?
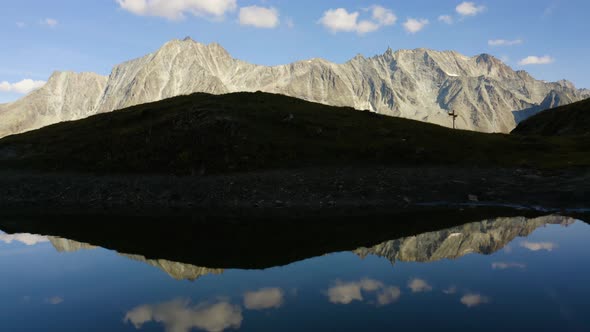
(569, 120)
(204, 133)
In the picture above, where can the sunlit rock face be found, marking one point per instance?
(66, 96)
(418, 84)
(485, 237)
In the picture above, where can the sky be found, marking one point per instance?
(547, 38)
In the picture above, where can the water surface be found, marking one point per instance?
(494, 275)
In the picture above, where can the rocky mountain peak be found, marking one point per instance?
(566, 84)
(420, 84)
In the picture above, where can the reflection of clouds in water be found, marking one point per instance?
(388, 295)
(507, 265)
(537, 246)
(451, 290)
(347, 292)
(54, 300)
(419, 285)
(265, 298)
(179, 316)
(344, 293)
(473, 300)
(25, 238)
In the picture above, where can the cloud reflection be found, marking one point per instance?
(25, 238)
(451, 290)
(265, 298)
(507, 265)
(388, 295)
(347, 292)
(55, 300)
(537, 246)
(179, 316)
(473, 300)
(419, 285)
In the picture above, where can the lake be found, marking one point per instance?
(497, 274)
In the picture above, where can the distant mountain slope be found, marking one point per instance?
(66, 96)
(418, 84)
(569, 120)
(204, 133)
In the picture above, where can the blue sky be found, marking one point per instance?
(41, 36)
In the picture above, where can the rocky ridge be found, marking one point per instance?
(418, 84)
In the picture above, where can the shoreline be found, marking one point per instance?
(297, 192)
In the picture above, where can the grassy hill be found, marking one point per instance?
(203, 134)
(568, 120)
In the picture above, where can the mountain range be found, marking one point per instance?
(421, 84)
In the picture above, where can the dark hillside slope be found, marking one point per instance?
(568, 120)
(202, 134)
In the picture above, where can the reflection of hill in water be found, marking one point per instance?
(485, 237)
(176, 270)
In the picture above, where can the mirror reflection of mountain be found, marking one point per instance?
(485, 237)
(65, 245)
(176, 270)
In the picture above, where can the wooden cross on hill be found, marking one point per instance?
(454, 115)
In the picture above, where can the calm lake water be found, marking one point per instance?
(504, 274)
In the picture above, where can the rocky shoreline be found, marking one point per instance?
(298, 192)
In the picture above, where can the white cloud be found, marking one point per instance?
(537, 246)
(448, 19)
(366, 27)
(259, 17)
(25, 238)
(179, 316)
(419, 285)
(469, 9)
(21, 24)
(50, 22)
(22, 87)
(265, 298)
(507, 265)
(473, 300)
(177, 9)
(340, 20)
(383, 16)
(536, 60)
(414, 25)
(504, 42)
